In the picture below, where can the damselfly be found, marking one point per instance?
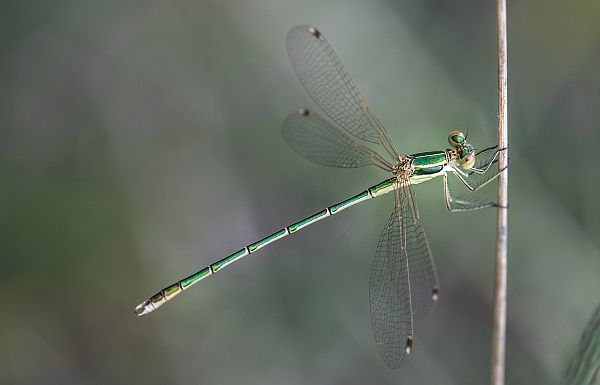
(404, 282)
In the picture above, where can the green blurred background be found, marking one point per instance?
(140, 141)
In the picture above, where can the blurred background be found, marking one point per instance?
(140, 141)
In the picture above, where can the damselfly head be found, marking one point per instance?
(463, 150)
(456, 138)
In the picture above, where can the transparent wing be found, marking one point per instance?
(322, 142)
(404, 282)
(329, 84)
(424, 283)
(389, 292)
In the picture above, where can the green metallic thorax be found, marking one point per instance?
(428, 159)
(427, 165)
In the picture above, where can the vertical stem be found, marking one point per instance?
(499, 317)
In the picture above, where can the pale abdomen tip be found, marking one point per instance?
(144, 308)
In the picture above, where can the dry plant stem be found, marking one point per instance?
(499, 317)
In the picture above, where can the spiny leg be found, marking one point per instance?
(475, 181)
(487, 149)
(463, 203)
(483, 169)
(485, 166)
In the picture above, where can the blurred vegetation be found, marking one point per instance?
(140, 141)
(585, 365)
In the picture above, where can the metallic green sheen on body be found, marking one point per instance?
(383, 187)
(266, 240)
(164, 295)
(349, 202)
(195, 277)
(428, 170)
(172, 290)
(457, 139)
(429, 159)
(227, 260)
(158, 299)
(307, 221)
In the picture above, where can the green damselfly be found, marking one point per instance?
(404, 282)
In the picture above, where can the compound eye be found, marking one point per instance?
(456, 138)
(467, 161)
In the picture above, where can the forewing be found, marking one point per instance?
(322, 142)
(331, 87)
